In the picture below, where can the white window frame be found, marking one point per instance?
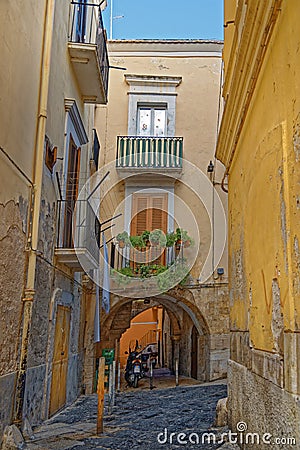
(152, 90)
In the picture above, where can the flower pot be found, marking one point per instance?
(178, 244)
(187, 243)
(121, 244)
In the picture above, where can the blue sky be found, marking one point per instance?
(165, 19)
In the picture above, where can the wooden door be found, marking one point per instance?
(71, 191)
(194, 353)
(149, 212)
(60, 359)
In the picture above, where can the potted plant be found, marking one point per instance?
(146, 237)
(127, 271)
(123, 239)
(158, 238)
(178, 238)
(137, 242)
(156, 269)
(171, 239)
(182, 237)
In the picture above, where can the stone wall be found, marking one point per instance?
(13, 259)
(264, 406)
(205, 307)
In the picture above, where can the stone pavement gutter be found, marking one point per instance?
(136, 421)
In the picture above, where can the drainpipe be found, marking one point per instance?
(29, 291)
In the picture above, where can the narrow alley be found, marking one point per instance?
(142, 419)
(149, 224)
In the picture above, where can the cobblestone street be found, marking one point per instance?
(136, 421)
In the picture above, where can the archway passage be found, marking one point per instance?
(171, 320)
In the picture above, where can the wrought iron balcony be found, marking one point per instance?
(143, 154)
(78, 235)
(88, 51)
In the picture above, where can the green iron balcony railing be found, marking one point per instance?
(149, 152)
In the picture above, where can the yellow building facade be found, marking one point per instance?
(259, 145)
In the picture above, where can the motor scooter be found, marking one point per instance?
(133, 370)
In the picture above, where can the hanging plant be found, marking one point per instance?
(171, 239)
(123, 239)
(182, 237)
(146, 237)
(158, 238)
(137, 242)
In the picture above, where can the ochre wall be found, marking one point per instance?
(139, 326)
(263, 198)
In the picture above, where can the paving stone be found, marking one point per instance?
(136, 421)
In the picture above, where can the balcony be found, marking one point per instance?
(78, 236)
(151, 263)
(88, 52)
(140, 154)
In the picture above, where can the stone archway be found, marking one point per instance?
(183, 314)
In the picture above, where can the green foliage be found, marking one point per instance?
(182, 235)
(144, 271)
(126, 271)
(171, 239)
(119, 278)
(137, 242)
(145, 236)
(176, 274)
(123, 237)
(158, 237)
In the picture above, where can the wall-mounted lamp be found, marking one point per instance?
(210, 167)
(210, 170)
(220, 271)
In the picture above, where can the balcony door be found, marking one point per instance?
(150, 212)
(151, 121)
(72, 182)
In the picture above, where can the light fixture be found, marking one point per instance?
(210, 167)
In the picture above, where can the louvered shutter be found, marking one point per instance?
(149, 212)
(158, 213)
(139, 214)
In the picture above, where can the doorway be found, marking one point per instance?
(194, 353)
(60, 359)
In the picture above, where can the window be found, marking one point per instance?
(149, 212)
(151, 121)
(71, 191)
(152, 105)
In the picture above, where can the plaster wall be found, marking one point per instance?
(264, 221)
(197, 112)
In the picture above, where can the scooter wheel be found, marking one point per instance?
(135, 383)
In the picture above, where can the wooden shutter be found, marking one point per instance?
(158, 213)
(139, 214)
(149, 212)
